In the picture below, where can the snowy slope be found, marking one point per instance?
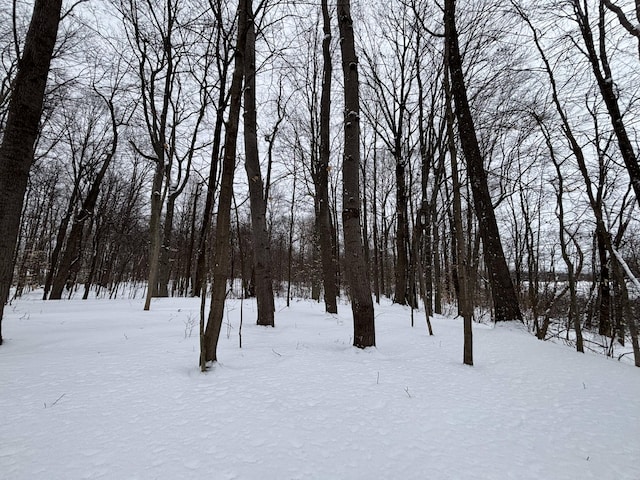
(102, 390)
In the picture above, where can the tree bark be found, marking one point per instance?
(505, 300)
(209, 340)
(321, 177)
(356, 269)
(21, 130)
(461, 259)
(402, 220)
(257, 200)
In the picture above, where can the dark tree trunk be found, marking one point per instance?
(261, 247)
(21, 130)
(604, 288)
(323, 221)
(210, 334)
(355, 266)
(504, 296)
(402, 222)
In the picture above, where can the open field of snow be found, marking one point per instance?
(100, 389)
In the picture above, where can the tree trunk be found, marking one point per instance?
(261, 247)
(376, 240)
(21, 130)
(572, 272)
(222, 102)
(323, 221)
(504, 296)
(209, 340)
(604, 287)
(154, 232)
(402, 222)
(292, 211)
(461, 263)
(355, 266)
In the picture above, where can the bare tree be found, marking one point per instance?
(599, 61)
(210, 334)
(70, 260)
(392, 76)
(355, 265)
(505, 300)
(223, 46)
(261, 255)
(627, 24)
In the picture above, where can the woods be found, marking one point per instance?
(469, 158)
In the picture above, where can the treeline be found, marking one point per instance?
(475, 154)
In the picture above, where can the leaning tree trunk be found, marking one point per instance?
(21, 131)
(258, 202)
(355, 266)
(210, 334)
(504, 296)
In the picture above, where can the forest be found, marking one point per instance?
(475, 154)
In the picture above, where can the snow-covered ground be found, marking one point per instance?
(100, 389)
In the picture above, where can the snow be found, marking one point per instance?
(100, 389)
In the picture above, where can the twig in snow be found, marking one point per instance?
(406, 390)
(275, 352)
(54, 403)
